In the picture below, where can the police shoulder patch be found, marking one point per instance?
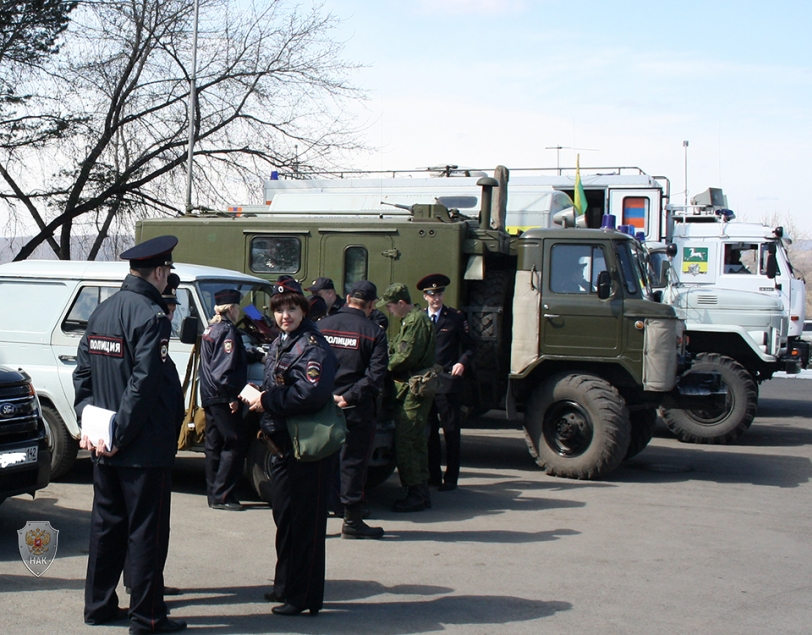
(164, 350)
(313, 372)
(228, 346)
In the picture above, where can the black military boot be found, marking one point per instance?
(355, 527)
(425, 492)
(414, 501)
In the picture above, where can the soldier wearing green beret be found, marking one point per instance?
(411, 352)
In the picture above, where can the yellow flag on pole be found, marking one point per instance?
(580, 195)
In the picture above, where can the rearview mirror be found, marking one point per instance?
(772, 265)
(604, 285)
(188, 329)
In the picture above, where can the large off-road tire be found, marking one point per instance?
(643, 423)
(258, 469)
(62, 445)
(578, 426)
(487, 312)
(718, 425)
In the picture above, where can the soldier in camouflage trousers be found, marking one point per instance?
(411, 353)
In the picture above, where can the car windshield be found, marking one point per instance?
(257, 294)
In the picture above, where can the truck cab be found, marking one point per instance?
(744, 307)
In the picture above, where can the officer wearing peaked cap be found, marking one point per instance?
(455, 351)
(156, 252)
(223, 374)
(123, 365)
(170, 296)
(299, 373)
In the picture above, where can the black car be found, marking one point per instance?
(25, 460)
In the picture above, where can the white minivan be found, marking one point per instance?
(46, 305)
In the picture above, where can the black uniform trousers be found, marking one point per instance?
(299, 491)
(355, 454)
(226, 444)
(445, 414)
(130, 516)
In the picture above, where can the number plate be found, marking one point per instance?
(22, 456)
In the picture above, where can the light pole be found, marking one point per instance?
(191, 114)
(685, 151)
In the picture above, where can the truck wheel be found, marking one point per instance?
(62, 445)
(579, 426)
(258, 468)
(643, 423)
(718, 425)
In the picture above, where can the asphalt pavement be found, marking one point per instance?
(710, 540)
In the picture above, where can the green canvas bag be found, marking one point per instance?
(317, 435)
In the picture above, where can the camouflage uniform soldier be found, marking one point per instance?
(410, 352)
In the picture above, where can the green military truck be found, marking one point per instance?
(568, 328)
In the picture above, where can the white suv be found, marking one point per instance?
(47, 304)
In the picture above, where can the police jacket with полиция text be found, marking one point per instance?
(123, 365)
(361, 349)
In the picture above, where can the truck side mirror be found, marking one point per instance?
(604, 285)
(188, 329)
(772, 265)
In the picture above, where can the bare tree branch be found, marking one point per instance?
(271, 91)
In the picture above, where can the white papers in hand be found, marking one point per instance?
(97, 423)
(249, 393)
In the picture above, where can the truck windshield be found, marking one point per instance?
(634, 267)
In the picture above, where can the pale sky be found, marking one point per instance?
(484, 82)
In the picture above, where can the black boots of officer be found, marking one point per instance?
(417, 499)
(355, 527)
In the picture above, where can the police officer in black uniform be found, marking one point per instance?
(362, 351)
(326, 290)
(223, 374)
(299, 378)
(123, 366)
(455, 351)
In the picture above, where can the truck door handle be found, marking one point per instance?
(550, 316)
(67, 358)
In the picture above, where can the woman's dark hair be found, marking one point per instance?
(281, 300)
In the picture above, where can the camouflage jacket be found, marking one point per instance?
(413, 348)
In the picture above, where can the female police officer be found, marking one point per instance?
(223, 373)
(300, 371)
